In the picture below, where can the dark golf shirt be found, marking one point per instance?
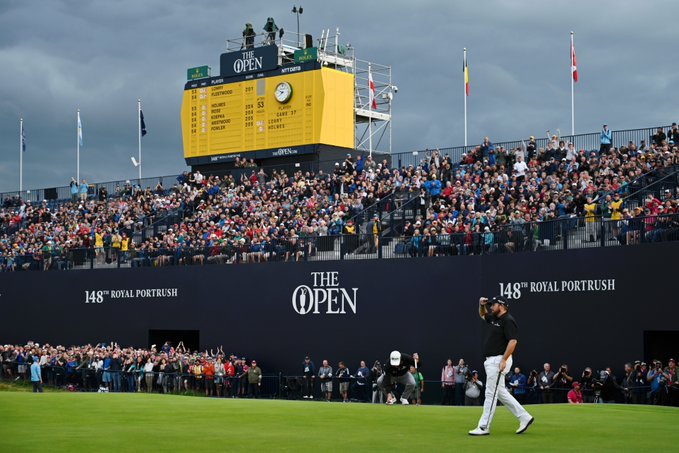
(401, 369)
(500, 331)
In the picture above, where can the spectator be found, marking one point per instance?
(148, 374)
(609, 387)
(325, 376)
(208, 376)
(254, 380)
(74, 189)
(36, 376)
(659, 137)
(672, 380)
(590, 219)
(634, 383)
(448, 376)
(83, 190)
(673, 135)
(308, 378)
(517, 385)
(343, 380)
(416, 397)
(363, 382)
(546, 380)
(242, 370)
(606, 139)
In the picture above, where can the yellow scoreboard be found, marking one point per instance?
(288, 108)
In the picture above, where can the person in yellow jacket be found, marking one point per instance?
(125, 247)
(116, 243)
(99, 244)
(616, 214)
(590, 218)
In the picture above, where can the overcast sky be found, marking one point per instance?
(101, 55)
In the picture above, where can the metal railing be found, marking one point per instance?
(561, 234)
(588, 142)
(176, 380)
(114, 189)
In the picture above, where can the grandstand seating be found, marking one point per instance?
(486, 202)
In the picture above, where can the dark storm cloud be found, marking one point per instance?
(100, 56)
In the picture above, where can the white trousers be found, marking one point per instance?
(492, 367)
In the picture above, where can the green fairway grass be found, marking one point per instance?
(69, 422)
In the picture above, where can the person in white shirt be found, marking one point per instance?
(520, 169)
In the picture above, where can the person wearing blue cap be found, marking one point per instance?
(501, 339)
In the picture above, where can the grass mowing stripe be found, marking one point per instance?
(66, 422)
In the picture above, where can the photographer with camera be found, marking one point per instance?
(562, 383)
(461, 371)
(658, 379)
(376, 371)
(472, 389)
(533, 388)
(587, 385)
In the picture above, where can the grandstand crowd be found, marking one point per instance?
(493, 198)
(178, 370)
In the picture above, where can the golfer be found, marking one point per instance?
(501, 339)
(397, 371)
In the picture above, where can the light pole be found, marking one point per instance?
(297, 11)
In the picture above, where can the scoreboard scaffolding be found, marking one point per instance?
(275, 100)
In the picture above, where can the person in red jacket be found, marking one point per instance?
(230, 373)
(209, 376)
(575, 395)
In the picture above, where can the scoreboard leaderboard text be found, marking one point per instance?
(283, 108)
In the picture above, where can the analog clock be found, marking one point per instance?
(283, 92)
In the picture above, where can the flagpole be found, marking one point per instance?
(139, 135)
(370, 117)
(77, 148)
(572, 93)
(21, 156)
(464, 95)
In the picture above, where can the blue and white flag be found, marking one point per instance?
(23, 138)
(80, 131)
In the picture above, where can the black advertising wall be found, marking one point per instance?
(584, 307)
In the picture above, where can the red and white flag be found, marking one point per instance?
(371, 90)
(574, 64)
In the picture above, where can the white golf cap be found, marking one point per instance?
(395, 358)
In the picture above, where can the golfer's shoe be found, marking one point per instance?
(524, 424)
(404, 401)
(479, 432)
